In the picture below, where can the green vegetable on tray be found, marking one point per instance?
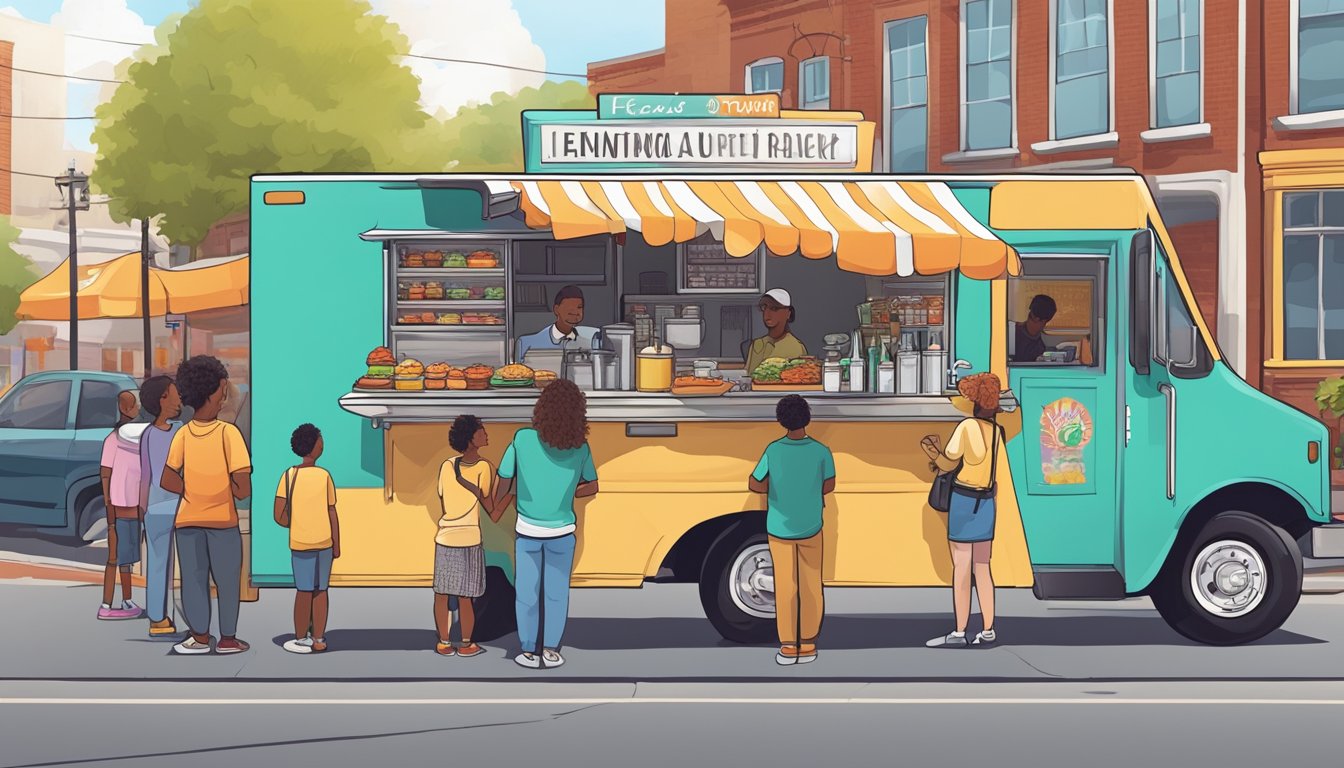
(456, 259)
(494, 294)
(769, 370)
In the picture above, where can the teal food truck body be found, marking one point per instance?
(1140, 463)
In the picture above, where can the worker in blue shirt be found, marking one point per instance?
(565, 332)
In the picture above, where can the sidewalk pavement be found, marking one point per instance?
(659, 633)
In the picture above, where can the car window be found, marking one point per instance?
(42, 405)
(97, 405)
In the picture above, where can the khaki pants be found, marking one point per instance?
(798, 600)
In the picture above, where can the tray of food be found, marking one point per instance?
(699, 386)
(512, 376)
(442, 376)
(482, 259)
(409, 376)
(779, 374)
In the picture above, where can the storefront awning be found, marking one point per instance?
(872, 227)
(112, 290)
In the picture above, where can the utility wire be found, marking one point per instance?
(58, 74)
(21, 173)
(408, 55)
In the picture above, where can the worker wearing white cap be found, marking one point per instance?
(776, 312)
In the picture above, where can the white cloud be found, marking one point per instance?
(478, 30)
(108, 19)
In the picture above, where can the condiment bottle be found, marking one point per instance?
(873, 354)
(886, 377)
(830, 377)
(856, 374)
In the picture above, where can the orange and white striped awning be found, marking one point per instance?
(873, 227)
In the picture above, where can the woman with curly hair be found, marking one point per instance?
(551, 465)
(972, 452)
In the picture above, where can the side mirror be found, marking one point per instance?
(1191, 354)
(1141, 301)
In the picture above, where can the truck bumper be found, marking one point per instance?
(1327, 541)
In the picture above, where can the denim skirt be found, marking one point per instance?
(967, 523)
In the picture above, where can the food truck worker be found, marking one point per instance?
(565, 332)
(1028, 345)
(776, 313)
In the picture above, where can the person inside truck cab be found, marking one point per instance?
(1029, 343)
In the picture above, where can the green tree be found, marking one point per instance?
(16, 273)
(237, 87)
(488, 138)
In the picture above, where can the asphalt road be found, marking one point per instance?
(649, 683)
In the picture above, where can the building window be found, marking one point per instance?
(765, 76)
(1320, 49)
(987, 88)
(815, 78)
(1313, 275)
(1082, 97)
(1177, 62)
(907, 95)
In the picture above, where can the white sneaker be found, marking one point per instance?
(553, 659)
(985, 638)
(129, 605)
(950, 640)
(190, 647)
(299, 645)
(528, 660)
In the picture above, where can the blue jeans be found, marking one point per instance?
(312, 569)
(541, 571)
(159, 519)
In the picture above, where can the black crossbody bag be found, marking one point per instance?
(940, 493)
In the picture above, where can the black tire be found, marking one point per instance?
(731, 622)
(90, 519)
(495, 616)
(1175, 600)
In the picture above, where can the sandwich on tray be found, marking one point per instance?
(381, 368)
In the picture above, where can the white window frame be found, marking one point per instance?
(802, 82)
(1319, 231)
(886, 89)
(1152, 66)
(759, 63)
(1012, 81)
(1109, 134)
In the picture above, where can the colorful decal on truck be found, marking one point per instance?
(1066, 429)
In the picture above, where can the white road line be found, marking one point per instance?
(662, 700)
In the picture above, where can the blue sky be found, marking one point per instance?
(570, 33)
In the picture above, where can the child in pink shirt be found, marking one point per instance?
(120, 471)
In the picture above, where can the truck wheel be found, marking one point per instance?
(91, 523)
(737, 586)
(1238, 581)
(495, 616)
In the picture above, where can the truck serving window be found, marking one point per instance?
(1057, 312)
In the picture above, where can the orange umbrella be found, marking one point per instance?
(112, 290)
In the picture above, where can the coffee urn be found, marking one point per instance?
(621, 338)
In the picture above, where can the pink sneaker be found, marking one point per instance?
(118, 614)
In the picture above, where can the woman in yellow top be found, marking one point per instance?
(974, 446)
(466, 485)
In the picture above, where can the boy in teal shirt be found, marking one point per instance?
(795, 472)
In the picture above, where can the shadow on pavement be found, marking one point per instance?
(839, 632)
(50, 543)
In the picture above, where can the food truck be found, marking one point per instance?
(1138, 462)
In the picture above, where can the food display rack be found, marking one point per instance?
(483, 342)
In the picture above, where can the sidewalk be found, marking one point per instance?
(659, 634)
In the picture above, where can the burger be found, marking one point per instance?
(541, 378)
(457, 378)
(436, 376)
(515, 372)
(410, 376)
(382, 366)
(478, 376)
(434, 259)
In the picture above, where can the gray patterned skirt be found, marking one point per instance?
(459, 571)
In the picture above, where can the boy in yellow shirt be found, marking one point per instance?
(466, 484)
(305, 503)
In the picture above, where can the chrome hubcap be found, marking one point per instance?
(752, 582)
(1229, 579)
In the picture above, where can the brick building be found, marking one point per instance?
(1194, 94)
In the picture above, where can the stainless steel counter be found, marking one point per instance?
(503, 405)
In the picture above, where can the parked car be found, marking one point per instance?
(52, 427)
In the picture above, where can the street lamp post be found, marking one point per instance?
(75, 188)
(144, 295)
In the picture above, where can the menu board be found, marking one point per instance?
(1073, 300)
(707, 268)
